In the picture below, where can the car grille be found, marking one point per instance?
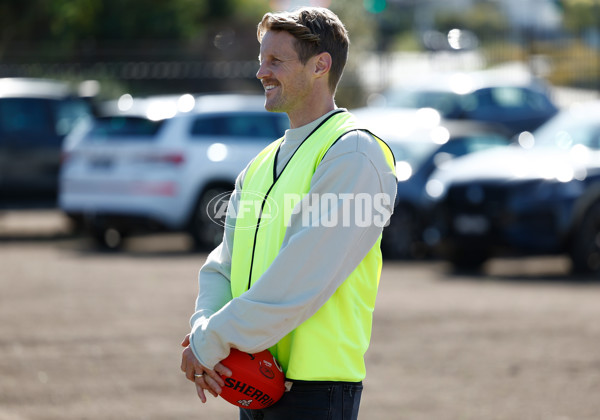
(490, 200)
(487, 211)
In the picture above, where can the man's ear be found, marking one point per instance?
(322, 64)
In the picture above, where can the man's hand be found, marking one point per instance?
(204, 378)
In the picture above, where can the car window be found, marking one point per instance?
(264, 126)
(461, 146)
(69, 113)
(508, 97)
(484, 142)
(470, 144)
(511, 98)
(26, 117)
(117, 127)
(465, 145)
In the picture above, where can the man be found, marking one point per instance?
(299, 276)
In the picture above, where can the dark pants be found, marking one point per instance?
(308, 400)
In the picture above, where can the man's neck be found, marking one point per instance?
(311, 113)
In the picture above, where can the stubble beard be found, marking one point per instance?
(286, 102)
(275, 103)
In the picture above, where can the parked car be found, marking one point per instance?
(520, 103)
(421, 141)
(151, 169)
(539, 198)
(35, 117)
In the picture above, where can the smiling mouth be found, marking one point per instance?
(269, 86)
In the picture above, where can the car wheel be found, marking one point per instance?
(400, 239)
(206, 227)
(467, 258)
(108, 238)
(585, 249)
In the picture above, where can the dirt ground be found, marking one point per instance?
(92, 335)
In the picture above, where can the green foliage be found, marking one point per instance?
(361, 26)
(69, 20)
(57, 21)
(35, 32)
(251, 11)
(405, 41)
(581, 14)
(147, 19)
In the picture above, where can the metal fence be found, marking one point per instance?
(565, 61)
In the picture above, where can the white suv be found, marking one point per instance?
(152, 168)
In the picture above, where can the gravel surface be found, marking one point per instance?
(95, 335)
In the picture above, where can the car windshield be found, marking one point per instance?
(566, 130)
(486, 102)
(117, 127)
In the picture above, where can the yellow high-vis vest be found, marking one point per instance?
(330, 345)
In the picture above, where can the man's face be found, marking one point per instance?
(286, 80)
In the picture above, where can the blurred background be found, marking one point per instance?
(124, 123)
(135, 116)
(149, 47)
(144, 48)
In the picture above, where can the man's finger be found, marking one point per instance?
(221, 369)
(190, 374)
(212, 385)
(187, 364)
(214, 376)
(200, 392)
(183, 363)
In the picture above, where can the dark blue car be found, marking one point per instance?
(511, 98)
(541, 197)
(421, 141)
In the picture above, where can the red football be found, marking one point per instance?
(257, 381)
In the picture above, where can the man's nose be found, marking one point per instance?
(262, 72)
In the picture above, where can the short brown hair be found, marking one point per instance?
(316, 30)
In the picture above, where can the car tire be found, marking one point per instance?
(205, 231)
(467, 258)
(585, 249)
(108, 238)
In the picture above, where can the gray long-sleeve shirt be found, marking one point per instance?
(313, 260)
